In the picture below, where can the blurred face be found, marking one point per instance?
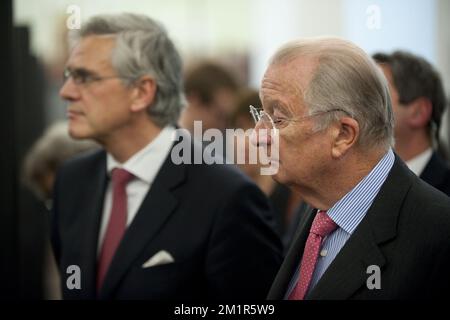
(97, 109)
(302, 151)
(214, 114)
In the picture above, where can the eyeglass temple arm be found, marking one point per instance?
(255, 114)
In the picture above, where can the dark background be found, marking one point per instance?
(23, 226)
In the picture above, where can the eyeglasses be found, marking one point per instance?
(259, 114)
(84, 77)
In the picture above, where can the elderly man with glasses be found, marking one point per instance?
(128, 223)
(375, 230)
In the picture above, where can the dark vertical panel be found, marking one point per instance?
(29, 121)
(28, 92)
(8, 191)
(23, 223)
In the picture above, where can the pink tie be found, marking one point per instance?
(117, 223)
(321, 227)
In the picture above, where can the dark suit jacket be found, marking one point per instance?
(437, 173)
(406, 232)
(210, 218)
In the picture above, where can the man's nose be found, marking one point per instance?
(261, 135)
(69, 91)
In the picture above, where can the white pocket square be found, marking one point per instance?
(162, 257)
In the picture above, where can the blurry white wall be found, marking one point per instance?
(209, 28)
(276, 21)
(202, 26)
(402, 24)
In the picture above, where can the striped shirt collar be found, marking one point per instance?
(348, 212)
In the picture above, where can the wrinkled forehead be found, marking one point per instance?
(288, 78)
(92, 52)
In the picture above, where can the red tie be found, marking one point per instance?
(117, 223)
(321, 227)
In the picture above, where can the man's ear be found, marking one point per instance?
(144, 93)
(419, 112)
(345, 134)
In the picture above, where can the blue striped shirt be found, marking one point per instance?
(347, 213)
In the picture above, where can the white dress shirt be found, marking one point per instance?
(144, 165)
(419, 162)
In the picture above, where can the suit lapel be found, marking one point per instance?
(347, 273)
(435, 171)
(156, 208)
(91, 206)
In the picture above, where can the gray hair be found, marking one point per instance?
(144, 48)
(345, 78)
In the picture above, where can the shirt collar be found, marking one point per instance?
(348, 212)
(419, 162)
(145, 164)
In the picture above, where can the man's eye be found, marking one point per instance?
(82, 77)
(86, 78)
(278, 120)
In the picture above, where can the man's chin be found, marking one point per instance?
(280, 176)
(78, 134)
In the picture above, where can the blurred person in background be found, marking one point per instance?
(41, 163)
(45, 157)
(419, 101)
(211, 91)
(135, 223)
(284, 200)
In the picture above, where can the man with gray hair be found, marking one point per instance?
(128, 223)
(376, 230)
